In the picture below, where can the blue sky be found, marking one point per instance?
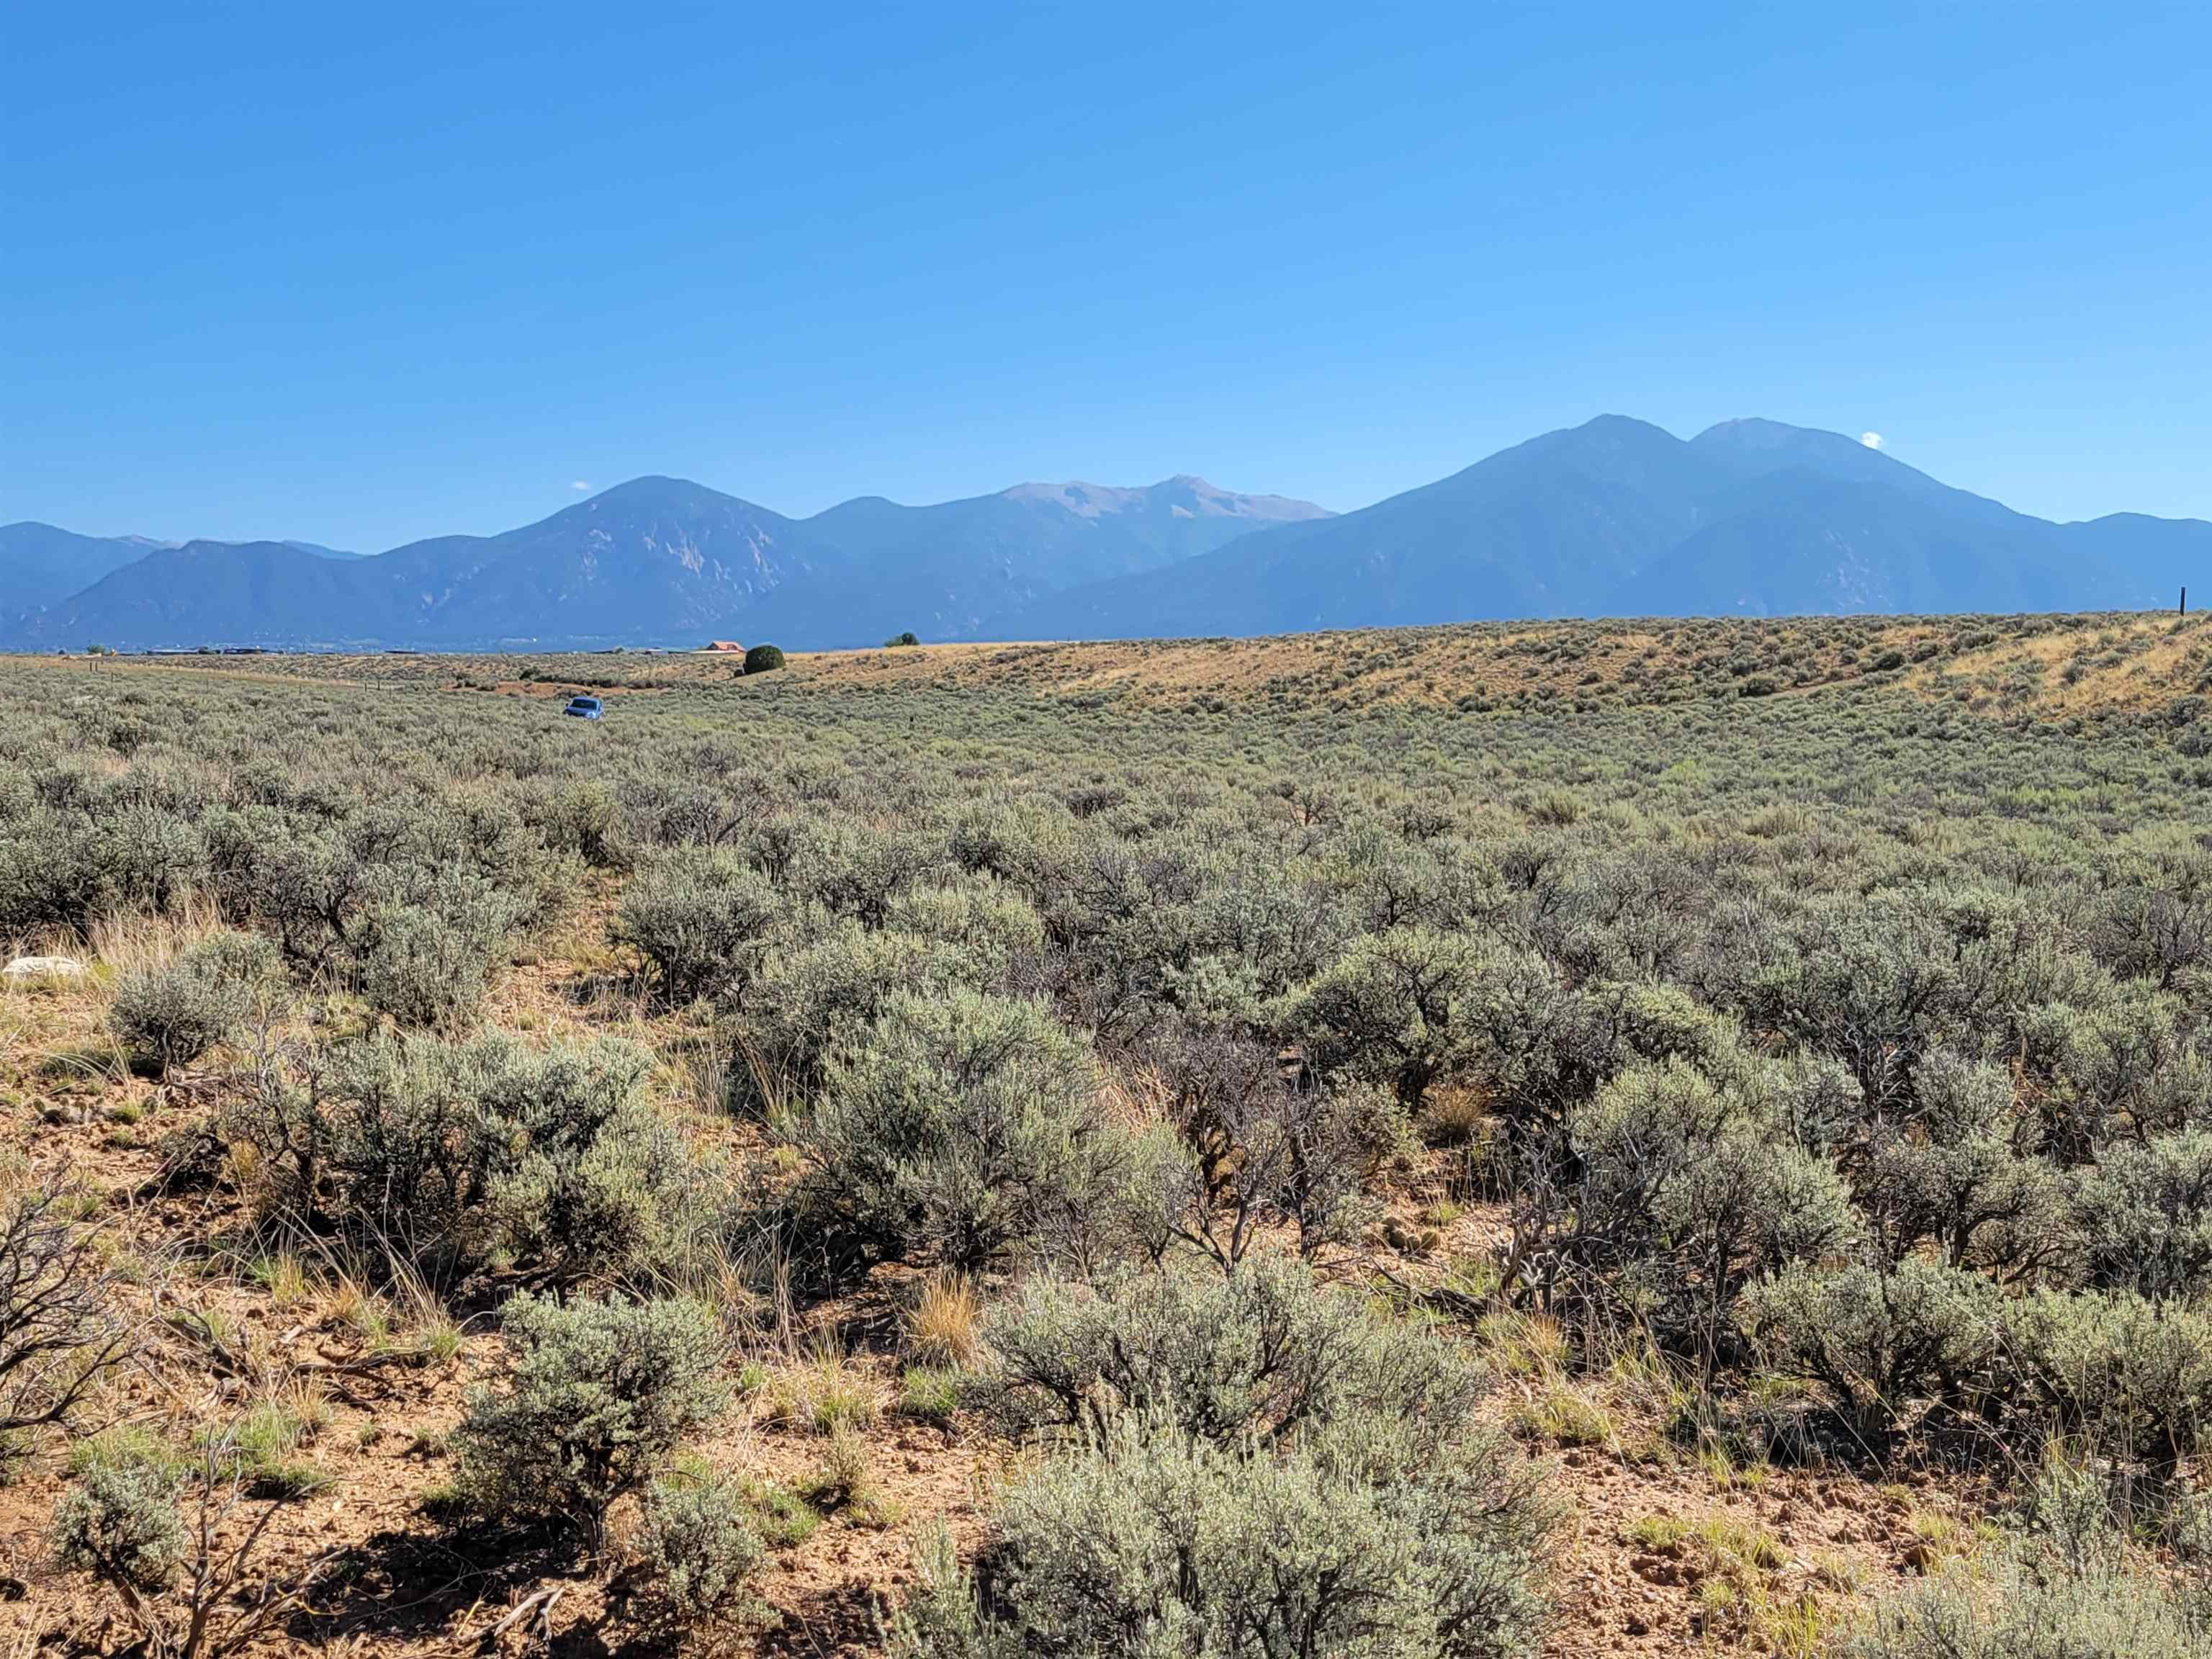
(360, 274)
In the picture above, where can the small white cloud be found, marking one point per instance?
(578, 485)
(1871, 440)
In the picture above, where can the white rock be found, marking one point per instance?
(45, 967)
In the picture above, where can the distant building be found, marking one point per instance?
(724, 644)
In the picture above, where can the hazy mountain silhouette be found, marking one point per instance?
(946, 568)
(40, 565)
(655, 561)
(1615, 517)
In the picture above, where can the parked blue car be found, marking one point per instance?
(585, 708)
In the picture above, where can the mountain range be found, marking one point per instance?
(1613, 517)
(655, 561)
(42, 565)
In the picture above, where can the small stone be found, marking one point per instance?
(45, 967)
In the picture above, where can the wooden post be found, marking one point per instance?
(2184, 601)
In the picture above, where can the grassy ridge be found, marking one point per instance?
(2057, 665)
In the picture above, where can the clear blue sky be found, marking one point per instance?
(359, 274)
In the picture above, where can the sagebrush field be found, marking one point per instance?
(1659, 1138)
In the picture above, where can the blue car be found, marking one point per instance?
(585, 708)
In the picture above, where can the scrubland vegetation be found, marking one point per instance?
(1708, 1149)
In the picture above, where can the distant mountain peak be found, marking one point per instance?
(1753, 432)
(654, 488)
(1750, 426)
(1186, 491)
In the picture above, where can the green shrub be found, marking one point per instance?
(2146, 1210)
(185, 1545)
(120, 1523)
(1687, 1185)
(702, 1550)
(428, 961)
(1147, 1541)
(763, 659)
(1263, 1353)
(1259, 1149)
(698, 916)
(299, 881)
(1880, 982)
(2129, 1065)
(1417, 1005)
(2078, 1595)
(596, 1397)
(171, 1015)
(1016, 839)
(239, 958)
(1879, 1343)
(1950, 1176)
(583, 816)
(904, 638)
(969, 1126)
(63, 1333)
(852, 871)
(1395, 1010)
(942, 1617)
(999, 934)
(386, 1137)
(583, 1177)
(445, 1155)
(2127, 1378)
(52, 873)
(812, 1001)
(151, 855)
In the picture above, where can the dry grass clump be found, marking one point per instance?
(943, 1326)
